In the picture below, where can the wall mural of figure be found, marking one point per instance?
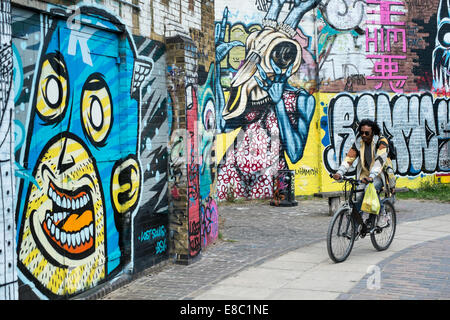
(82, 149)
(441, 53)
(274, 116)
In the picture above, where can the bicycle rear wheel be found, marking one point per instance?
(341, 235)
(384, 232)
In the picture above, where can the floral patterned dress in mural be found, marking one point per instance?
(251, 162)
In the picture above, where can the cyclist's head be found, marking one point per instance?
(367, 129)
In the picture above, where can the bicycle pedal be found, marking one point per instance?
(375, 229)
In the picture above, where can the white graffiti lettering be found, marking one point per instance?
(82, 38)
(418, 125)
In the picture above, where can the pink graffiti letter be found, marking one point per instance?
(385, 12)
(387, 69)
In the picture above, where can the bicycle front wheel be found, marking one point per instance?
(384, 232)
(341, 235)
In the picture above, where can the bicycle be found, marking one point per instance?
(347, 224)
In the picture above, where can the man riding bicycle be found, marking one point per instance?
(374, 163)
(372, 151)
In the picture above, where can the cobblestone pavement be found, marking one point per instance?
(418, 273)
(254, 232)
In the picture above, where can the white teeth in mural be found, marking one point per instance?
(58, 216)
(63, 237)
(67, 203)
(71, 239)
(78, 238)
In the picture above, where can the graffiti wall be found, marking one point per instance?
(206, 126)
(8, 271)
(91, 139)
(113, 150)
(191, 75)
(150, 221)
(296, 78)
(125, 131)
(206, 120)
(404, 90)
(183, 150)
(263, 98)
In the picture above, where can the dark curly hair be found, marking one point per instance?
(367, 122)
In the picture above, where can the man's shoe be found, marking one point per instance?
(362, 231)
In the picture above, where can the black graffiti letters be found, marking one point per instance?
(194, 236)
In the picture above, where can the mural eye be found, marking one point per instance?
(96, 113)
(444, 35)
(51, 100)
(209, 121)
(96, 109)
(284, 54)
(52, 92)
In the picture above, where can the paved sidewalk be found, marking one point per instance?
(419, 272)
(280, 253)
(308, 273)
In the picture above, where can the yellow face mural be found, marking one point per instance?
(51, 101)
(64, 221)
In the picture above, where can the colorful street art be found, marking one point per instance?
(8, 271)
(416, 124)
(81, 178)
(209, 214)
(440, 64)
(341, 54)
(193, 172)
(360, 59)
(152, 212)
(386, 67)
(120, 137)
(263, 105)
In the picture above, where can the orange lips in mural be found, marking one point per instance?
(70, 223)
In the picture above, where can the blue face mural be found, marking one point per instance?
(81, 146)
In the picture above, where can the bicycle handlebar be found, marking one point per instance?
(351, 180)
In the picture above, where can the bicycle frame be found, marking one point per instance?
(351, 198)
(348, 223)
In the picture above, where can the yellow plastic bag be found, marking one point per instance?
(371, 203)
